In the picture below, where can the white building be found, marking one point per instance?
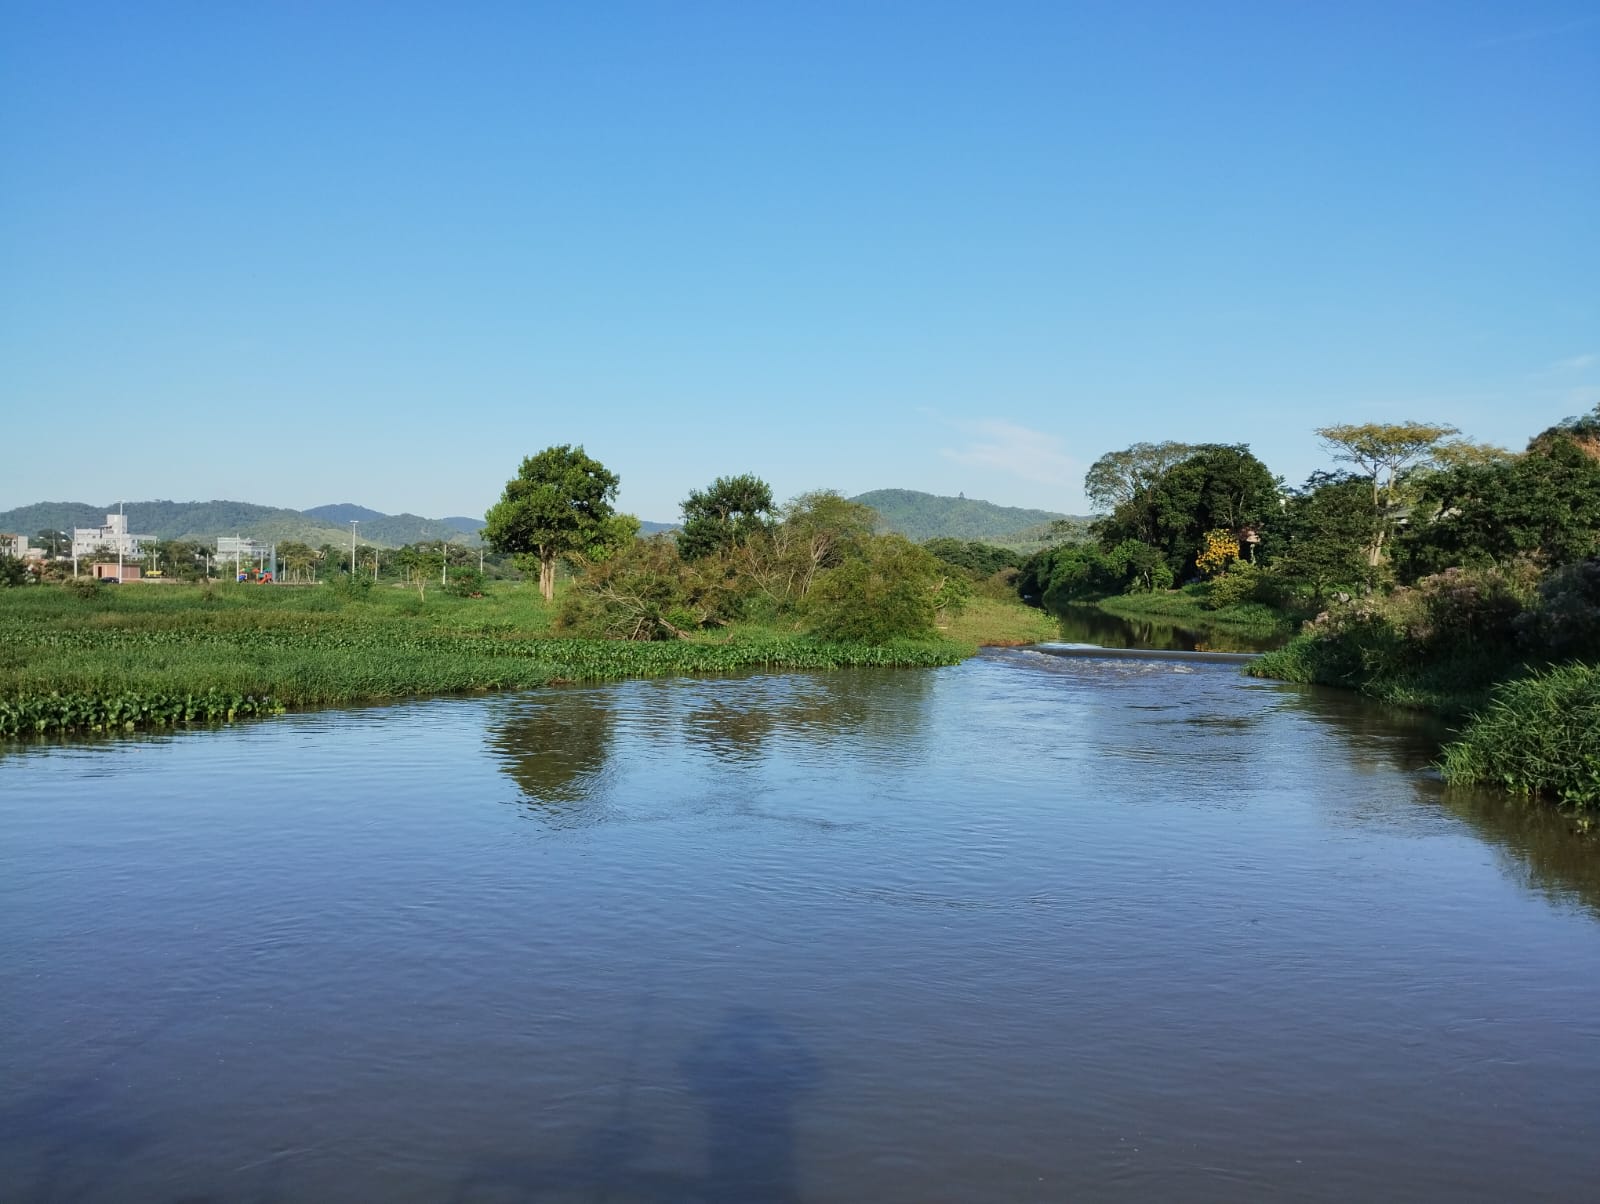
(14, 545)
(243, 547)
(113, 537)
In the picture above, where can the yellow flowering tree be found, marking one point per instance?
(1220, 549)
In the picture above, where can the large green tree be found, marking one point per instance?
(1218, 486)
(1544, 504)
(1323, 536)
(1123, 480)
(725, 515)
(558, 504)
(1382, 451)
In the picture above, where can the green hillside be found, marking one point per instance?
(921, 516)
(918, 516)
(392, 530)
(343, 512)
(204, 521)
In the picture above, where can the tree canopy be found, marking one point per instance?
(558, 504)
(726, 514)
(1544, 504)
(1216, 486)
(1382, 451)
(1121, 476)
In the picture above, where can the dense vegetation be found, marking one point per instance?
(746, 584)
(1442, 574)
(110, 658)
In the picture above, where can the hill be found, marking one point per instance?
(921, 516)
(392, 530)
(916, 515)
(204, 521)
(343, 512)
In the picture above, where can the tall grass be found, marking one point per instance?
(1451, 685)
(131, 656)
(1539, 735)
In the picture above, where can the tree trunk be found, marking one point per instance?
(1375, 552)
(547, 575)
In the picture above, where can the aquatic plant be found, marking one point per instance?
(149, 659)
(1539, 735)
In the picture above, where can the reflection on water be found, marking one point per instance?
(1090, 625)
(1536, 845)
(1028, 928)
(554, 746)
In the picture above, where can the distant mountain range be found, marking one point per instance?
(205, 521)
(915, 515)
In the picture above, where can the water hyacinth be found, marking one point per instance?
(149, 659)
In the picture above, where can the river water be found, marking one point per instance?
(1029, 928)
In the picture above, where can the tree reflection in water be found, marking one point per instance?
(555, 747)
(1084, 624)
(1535, 844)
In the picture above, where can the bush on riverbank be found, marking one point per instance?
(1538, 735)
(1443, 643)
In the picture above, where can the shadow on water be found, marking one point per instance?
(1537, 845)
(747, 1075)
(75, 1139)
(1091, 625)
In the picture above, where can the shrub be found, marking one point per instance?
(464, 583)
(1539, 735)
(647, 591)
(13, 571)
(891, 590)
(1565, 621)
(1234, 587)
(85, 587)
(1472, 606)
(350, 585)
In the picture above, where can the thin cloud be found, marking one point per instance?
(1017, 451)
(1539, 32)
(1575, 363)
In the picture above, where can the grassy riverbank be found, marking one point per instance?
(1009, 623)
(151, 656)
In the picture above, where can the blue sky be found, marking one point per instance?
(301, 253)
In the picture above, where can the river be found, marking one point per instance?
(1029, 928)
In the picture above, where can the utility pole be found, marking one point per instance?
(353, 524)
(120, 537)
(444, 562)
